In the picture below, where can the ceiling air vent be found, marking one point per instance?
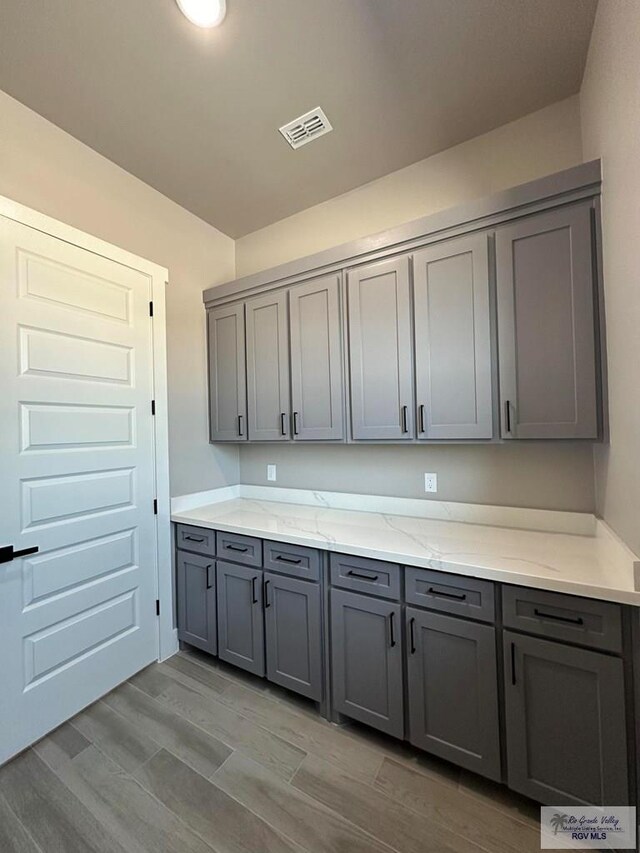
(306, 128)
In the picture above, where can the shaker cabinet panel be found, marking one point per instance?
(453, 339)
(565, 723)
(546, 325)
(240, 617)
(366, 655)
(453, 690)
(380, 350)
(316, 361)
(227, 374)
(293, 634)
(268, 367)
(196, 594)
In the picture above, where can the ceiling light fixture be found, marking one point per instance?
(204, 13)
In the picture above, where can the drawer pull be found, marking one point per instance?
(209, 584)
(241, 548)
(362, 577)
(267, 603)
(392, 633)
(570, 620)
(458, 596)
(412, 639)
(291, 560)
(194, 538)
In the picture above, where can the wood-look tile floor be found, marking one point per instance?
(192, 756)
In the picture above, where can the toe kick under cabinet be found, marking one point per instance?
(526, 687)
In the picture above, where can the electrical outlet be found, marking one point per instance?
(271, 473)
(431, 482)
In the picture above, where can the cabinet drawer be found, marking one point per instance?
(371, 576)
(239, 549)
(447, 593)
(200, 540)
(295, 560)
(587, 621)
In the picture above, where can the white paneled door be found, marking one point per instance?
(77, 616)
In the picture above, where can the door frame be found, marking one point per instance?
(159, 279)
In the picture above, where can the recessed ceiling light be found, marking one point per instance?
(204, 13)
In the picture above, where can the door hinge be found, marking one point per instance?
(151, 309)
(153, 407)
(155, 506)
(157, 606)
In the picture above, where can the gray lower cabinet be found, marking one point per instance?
(366, 658)
(565, 723)
(453, 339)
(268, 367)
(227, 374)
(240, 616)
(547, 362)
(453, 690)
(316, 360)
(196, 596)
(381, 350)
(293, 634)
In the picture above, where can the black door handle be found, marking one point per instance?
(412, 639)
(267, 603)
(361, 577)
(7, 554)
(405, 428)
(283, 423)
(513, 663)
(209, 584)
(254, 600)
(392, 633)
(421, 418)
(570, 620)
(293, 562)
(240, 429)
(458, 596)
(507, 415)
(295, 423)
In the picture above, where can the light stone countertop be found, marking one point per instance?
(596, 565)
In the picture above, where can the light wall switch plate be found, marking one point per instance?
(271, 473)
(431, 482)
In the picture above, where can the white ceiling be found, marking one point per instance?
(195, 113)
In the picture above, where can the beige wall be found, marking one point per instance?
(555, 475)
(610, 101)
(46, 169)
(536, 145)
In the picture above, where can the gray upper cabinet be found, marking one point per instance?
(381, 350)
(366, 656)
(453, 339)
(227, 374)
(453, 690)
(268, 367)
(565, 723)
(546, 325)
(240, 616)
(316, 361)
(293, 634)
(196, 598)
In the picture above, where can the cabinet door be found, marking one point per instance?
(197, 601)
(380, 350)
(546, 325)
(227, 374)
(453, 690)
(268, 367)
(293, 635)
(565, 723)
(316, 363)
(366, 655)
(240, 617)
(453, 339)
